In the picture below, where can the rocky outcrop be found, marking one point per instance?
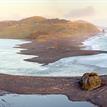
(90, 81)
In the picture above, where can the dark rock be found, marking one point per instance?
(90, 81)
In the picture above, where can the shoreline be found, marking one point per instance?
(54, 85)
(52, 43)
(49, 52)
(52, 51)
(48, 55)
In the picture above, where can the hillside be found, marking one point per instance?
(43, 29)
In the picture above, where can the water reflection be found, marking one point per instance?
(14, 100)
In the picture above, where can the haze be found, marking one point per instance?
(92, 11)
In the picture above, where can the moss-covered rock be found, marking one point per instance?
(90, 81)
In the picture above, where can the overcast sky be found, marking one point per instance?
(90, 10)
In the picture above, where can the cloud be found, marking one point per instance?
(81, 12)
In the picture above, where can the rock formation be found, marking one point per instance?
(90, 81)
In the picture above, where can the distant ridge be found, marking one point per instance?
(44, 29)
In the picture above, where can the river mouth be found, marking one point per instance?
(14, 64)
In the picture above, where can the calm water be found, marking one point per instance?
(40, 101)
(13, 63)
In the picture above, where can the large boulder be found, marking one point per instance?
(90, 81)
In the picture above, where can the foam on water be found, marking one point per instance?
(99, 42)
(13, 63)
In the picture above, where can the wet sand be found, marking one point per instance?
(68, 86)
(51, 51)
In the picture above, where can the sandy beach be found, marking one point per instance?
(54, 85)
(51, 51)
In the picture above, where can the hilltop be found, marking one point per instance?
(44, 29)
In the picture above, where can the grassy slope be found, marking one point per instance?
(44, 29)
